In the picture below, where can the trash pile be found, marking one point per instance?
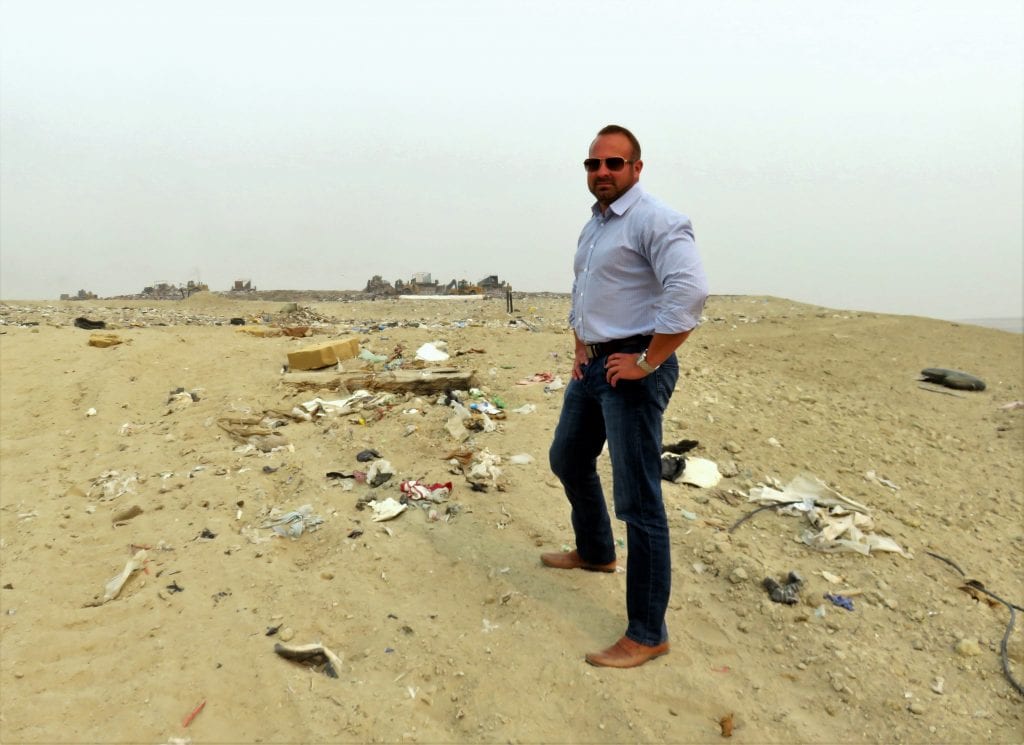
(837, 523)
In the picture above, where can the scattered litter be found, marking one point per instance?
(366, 456)
(700, 472)
(520, 459)
(454, 427)
(315, 655)
(360, 399)
(876, 479)
(193, 395)
(379, 472)
(840, 523)
(841, 601)
(179, 399)
(90, 411)
(554, 385)
(1012, 406)
(295, 523)
(111, 485)
(84, 323)
(415, 491)
(788, 593)
(431, 353)
(485, 407)
(525, 409)
(193, 714)
(114, 586)
(386, 509)
(484, 468)
(672, 466)
(961, 381)
(541, 377)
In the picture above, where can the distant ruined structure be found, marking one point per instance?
(80, 295)
(421, 284)
(378, 286)
(167, 291)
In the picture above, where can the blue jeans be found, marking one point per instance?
(629, 417)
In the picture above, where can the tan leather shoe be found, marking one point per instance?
(572, 560)
(626, 653)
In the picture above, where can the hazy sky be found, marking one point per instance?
(863, 155)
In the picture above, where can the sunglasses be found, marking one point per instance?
(613, 164)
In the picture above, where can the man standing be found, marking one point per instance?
(638, 293)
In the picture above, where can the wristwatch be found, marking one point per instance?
(644, 365)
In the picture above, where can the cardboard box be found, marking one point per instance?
(323, 355)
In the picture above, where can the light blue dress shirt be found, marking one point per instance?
(637, 272)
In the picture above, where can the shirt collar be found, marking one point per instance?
(623, 203)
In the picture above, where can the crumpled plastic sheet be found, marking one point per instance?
(295, 523)
(386, 509)
(431, 353)
(360, 399)
(840, 523)
(485, 467)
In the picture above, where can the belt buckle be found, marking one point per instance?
(592, 350)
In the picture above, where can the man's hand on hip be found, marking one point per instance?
(579, 362)
(620, 366)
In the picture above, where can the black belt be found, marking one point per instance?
(604, 348)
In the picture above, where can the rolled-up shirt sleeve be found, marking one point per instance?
(678, 267)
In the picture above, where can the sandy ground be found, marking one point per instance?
(450, 630)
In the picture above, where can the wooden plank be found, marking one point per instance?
(425, 381)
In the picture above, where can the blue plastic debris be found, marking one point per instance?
(841, 600)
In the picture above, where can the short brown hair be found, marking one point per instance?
(615, 129)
